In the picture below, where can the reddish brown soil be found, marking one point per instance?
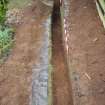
(86, 53)
(61, 83)
(15, 73)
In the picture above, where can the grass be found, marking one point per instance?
(6, 41)
(3, 9)
(5, 32)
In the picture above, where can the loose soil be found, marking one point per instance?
(86, 53)
(61, 83)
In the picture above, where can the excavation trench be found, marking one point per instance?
(61, 83)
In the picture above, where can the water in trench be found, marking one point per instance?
(61, 83)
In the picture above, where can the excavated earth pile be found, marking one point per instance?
(84, 40)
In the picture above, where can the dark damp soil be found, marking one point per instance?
(61, 83)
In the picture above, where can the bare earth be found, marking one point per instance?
(86, 53)
(16, 72)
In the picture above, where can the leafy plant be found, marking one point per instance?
(6, 33)
(5, 40)
(3, 9)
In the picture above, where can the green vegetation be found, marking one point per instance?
(6, 36)
(6, 33)
(102, 3)
(3, 9)
(101, 10)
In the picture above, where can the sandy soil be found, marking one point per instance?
(61, 83)
(86, 53)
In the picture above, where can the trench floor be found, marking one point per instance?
(61, 83)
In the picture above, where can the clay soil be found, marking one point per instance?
(61, 83)
(16, 71)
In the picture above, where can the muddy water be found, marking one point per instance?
(61, 83)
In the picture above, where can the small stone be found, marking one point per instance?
(85, 7)
(101, 75)
(80, 94)
(14, 16)
(94, 62)
(29, 4)
(101, 91)
(75, 78)
(95, 39)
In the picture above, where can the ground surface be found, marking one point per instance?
(86, 52)
(16, 71)
(86, 56)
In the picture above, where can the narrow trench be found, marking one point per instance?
(61, 83)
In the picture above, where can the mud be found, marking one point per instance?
(61, 83)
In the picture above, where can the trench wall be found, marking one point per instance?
(41, 77)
